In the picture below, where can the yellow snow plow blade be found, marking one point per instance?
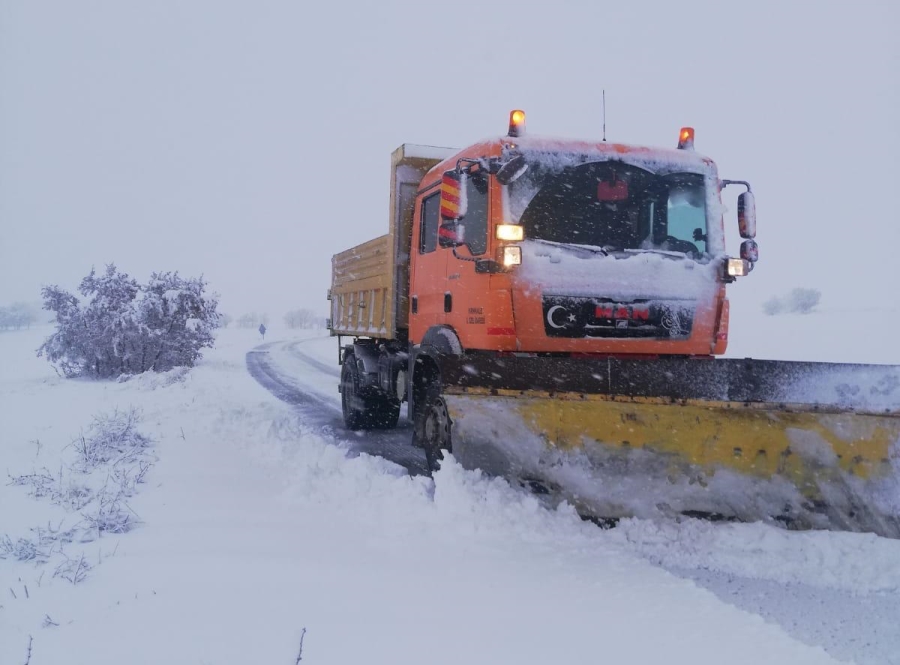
(612, 455)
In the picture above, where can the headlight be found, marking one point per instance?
(510, 232)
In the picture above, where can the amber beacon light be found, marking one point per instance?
(516, 123)
(686, 138)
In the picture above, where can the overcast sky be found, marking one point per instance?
(251, 141)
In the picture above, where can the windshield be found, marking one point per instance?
(611, 205)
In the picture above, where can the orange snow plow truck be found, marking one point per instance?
(550, 310)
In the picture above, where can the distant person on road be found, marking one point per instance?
(262, 330)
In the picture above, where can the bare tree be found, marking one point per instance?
(252, 320)
(302, 318)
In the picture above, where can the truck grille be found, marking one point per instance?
(569, 316)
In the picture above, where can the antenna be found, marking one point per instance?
(604, 115)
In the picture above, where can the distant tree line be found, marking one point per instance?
(303, 318)
(17, 316)
(128, 328)
(252, 320)
(297, 318)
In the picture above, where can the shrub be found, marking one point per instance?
(773, 306)
(127, 328)
(798, 301)
(803, 301)
(111, 437)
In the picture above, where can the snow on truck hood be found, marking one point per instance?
(581, 271)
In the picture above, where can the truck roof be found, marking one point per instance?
(494, 146)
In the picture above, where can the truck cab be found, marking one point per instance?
(533, 245)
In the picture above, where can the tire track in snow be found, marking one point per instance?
(323, 412)
(332, 370)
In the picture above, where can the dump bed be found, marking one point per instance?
(370, 282)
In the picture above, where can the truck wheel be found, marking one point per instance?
(364, 411)
(387, 413)
(432, 430)
(352, 403)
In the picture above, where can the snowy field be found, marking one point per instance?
(236, 529)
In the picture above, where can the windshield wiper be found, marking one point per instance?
(571, 245)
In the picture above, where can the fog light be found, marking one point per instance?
(738, 268)
(511, 256)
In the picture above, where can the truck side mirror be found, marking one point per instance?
(750, 251)
(747, 215)
(451, 234)
(453, 195)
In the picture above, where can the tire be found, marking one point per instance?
(361, 411)
(352, 404)
(385, 413)
(432, 429)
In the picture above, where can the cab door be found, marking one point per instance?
(468, 290)
(427, 293)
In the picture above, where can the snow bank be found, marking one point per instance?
(858, 563)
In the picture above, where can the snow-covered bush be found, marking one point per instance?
(110, 515)
(798, 301)
(21, 550)
(773, 306)
(112, 458)
(73, 570)
(128, 328)
(803, 301)
(112, 437)
(40, 484)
